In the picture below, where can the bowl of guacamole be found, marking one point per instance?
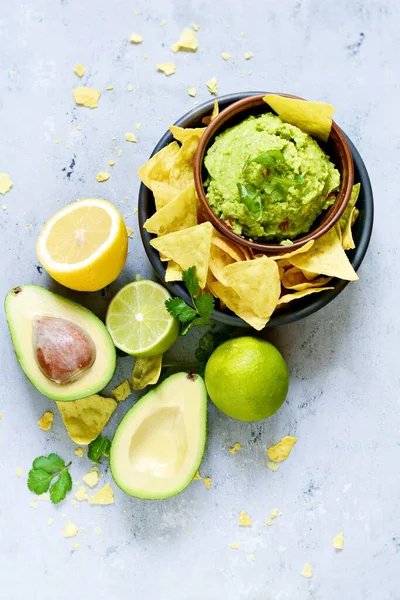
(267, 183)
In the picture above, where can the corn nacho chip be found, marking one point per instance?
(182, 165)
(326, 257)
(228, 246)
(181, 133)
(301, 294)
(173, 272)
(179, 213)
(301, 250)
(158, 167)
(282, 449)
(163, 193)
(347, 237)
(219, 259)
(84, 419)
(146, 371)
(355, 192)
(188, 247)
(314, 118)
(294, 279)
(235, 303)
(215, 112)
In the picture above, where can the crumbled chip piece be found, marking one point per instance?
(168, 68)
(111, 163)
(248, 55)
(102, 176)
(275, 513)
(241, 34)
(187, 41)
(104, 496)
(79, 70)
(92, 478)
(78, 128)
(191, 91)
(4, 206)
(75, 546)
(195, 26)
(44, 497)
(18, 471)
(50, 521)
(84, 419)
(58, 140)
(268, 522)
(122, 391)
(109, 88)
(234, 546)
(163, 23)
(244, 519)
(197, 476)
(33, 504)
(235, 448)
(251, 557)
(207, 482)
(1, 416)
(338, 541)
(138, 125)
(97, 530)
(46, 421)
(307, 571)
(130, 87)
(147, 371)
(129, 231)
(86, 96)
(136, 38)
(272, 466)
(70, 530)
(130, 137)
(136, 11)
(145, 56)
(81, 494)
(5, 183)
(212, 86)
(226, 55)
(282, 449)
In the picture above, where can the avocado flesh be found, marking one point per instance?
(23, 306)
(158, 445)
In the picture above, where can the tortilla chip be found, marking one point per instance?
(350, 205)
(182, 166)
(163, 193)
(301, 250)
(122, 391)
(218, 261)
(235, 303)
(297, 295)
(173, 272)
(181, 133)
(282, 449)
(314, 118)
(86, 418)
(294, 279)
(179, 213)
(215, 113)
(326, 257)
(247, 253)
(146, 371)
(257, 283)
(188, 247)
(158, 167)
(347, 237)
(228, 246)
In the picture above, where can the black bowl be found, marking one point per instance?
(298, 309)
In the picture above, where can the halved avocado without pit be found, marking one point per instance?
(158, 446)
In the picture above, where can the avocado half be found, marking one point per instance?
(26, 303)
(158, 445)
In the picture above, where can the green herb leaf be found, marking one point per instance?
(61, 487)
(179, 309)
(98, 448)
(51, 463)
(205, 305)
(277, 187)
(251, 199)
(191, 281)
(269, 158)
(39, 480)
(205, 347)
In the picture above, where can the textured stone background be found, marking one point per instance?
(343, 474)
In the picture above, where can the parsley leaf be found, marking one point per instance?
(251, 199)
(191, 281)
(44, 470)
(98, 448)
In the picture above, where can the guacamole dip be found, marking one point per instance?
(268, 180)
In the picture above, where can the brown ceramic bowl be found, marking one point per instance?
(336, 148)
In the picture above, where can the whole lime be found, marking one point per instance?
(247, 378)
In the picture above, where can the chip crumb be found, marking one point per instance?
(110, 87)
(207, 482)
(136, 11)
(70, 530)
(130, 87)
(136, 38)
(272, 466)
(241, 34)
(212, 86)
(196, 26)
(78, 128)
(44, 497)
(226, 55)
(50, 521)
(75, 546)
(92, 478)
(145, 55)
(18, 471)
(104, 496)
(33, 504)
(58, 140)
(275, 513)
(244, 519)
(282, 449)
(46, 421)
(97, 530)
(5, 184)
(111, 163)
(235, 448)
(138, 126)
(187, 41)
(102, 176)
(197, 476)
(122, 391)
(234, 546)
(251, 557)
(168, 68)
(129, 231)
(130, 137)
(191, 91)
(338, 541)
(81, 494)
(248, 55)
(268, 522)
(79, 70)
(1, 416)
(86, 96)
(307, 571)
(163, 23)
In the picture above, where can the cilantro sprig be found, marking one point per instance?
(98, 448)
(198, 315)
(44, 470)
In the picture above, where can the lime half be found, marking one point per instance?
(138, 321)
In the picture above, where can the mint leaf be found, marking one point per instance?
(51, 463)
(191, 281)
(180, 310)
(205, 305)
(61, 487)
(39, 480)
(251, 199)
(98, 448)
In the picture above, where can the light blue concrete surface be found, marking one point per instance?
(343, 474)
